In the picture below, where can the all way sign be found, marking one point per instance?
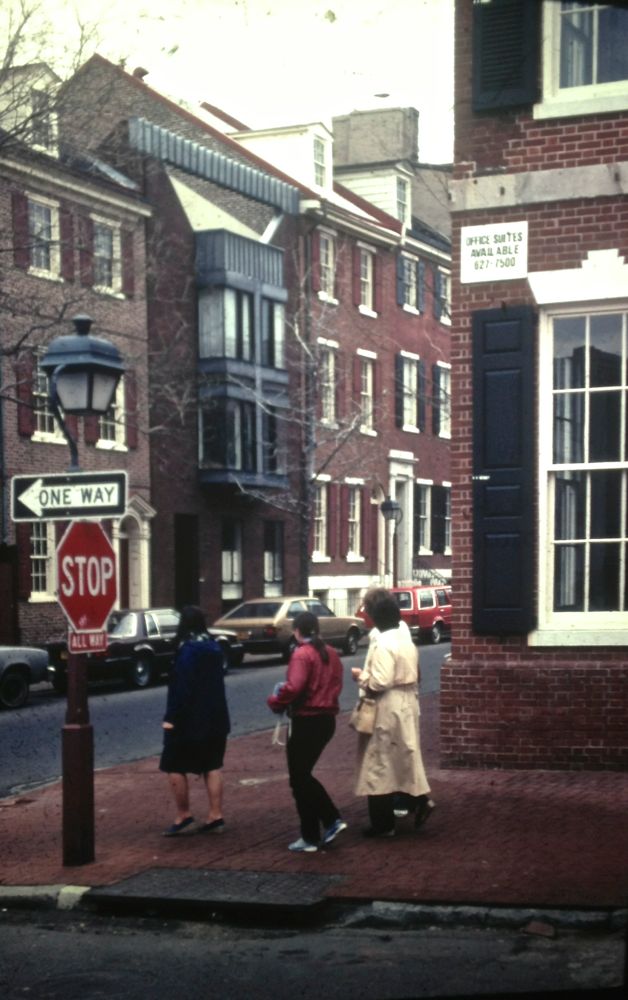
(68, 495)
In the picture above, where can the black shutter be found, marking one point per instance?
(438, 518)
(437, 301)
(421, 399)
(398, 390)
(420, 283)
(435, 399)
(504, 434)
(401, 297)
(506, 44)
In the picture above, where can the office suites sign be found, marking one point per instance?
(497, 252)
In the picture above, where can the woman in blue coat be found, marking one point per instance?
(196, 723)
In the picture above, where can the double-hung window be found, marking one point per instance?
(42, 560)
(46, 427)
(354, 521)
(231, 560)
(327, 262)
(584, 471)
(441, 400)
(327, 351)
(422, 517)
(273, 558)
(409, 392)
(43, 235)
(585, 58)
(107, 256)
(367, 393)
(319, 541)
(403, 209)
(367, 272)
(111, 425)
(228, 438)
(320, 165)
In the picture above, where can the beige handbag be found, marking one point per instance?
(363, 716)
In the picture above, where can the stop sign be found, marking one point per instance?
(86, 573)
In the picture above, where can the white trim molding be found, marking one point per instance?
(603, 275)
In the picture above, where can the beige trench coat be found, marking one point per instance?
(390, 760)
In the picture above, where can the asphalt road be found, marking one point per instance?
(127, 723)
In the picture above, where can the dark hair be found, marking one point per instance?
(307, 624)
(191, 622)
(381, 606)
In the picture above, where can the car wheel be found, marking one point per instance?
(60, 684)
(436, 632)
(351, 642)
(141, 673)
(225, 657)
(13, 689)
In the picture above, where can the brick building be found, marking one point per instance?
(538, 675)
(72, 231)
(299, 356)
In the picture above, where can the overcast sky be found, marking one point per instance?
(278, 62)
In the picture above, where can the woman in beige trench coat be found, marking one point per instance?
(389, 760)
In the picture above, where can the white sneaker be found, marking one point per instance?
(303, 846)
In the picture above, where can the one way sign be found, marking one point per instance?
(68, 496)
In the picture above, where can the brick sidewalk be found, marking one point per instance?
(514, 838)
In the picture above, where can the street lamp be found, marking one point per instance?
(392, 514)
(83, 373)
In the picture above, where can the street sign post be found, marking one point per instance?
(67, 496)
(86, 571)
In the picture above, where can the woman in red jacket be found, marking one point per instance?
(310, 694)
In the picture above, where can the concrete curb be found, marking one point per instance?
(378, 913)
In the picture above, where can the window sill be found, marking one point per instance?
(43, 437)
(410, 429)
(105, 445)
(317, 557)
(38, 272)
(329, 299)
(578, 637)
(42, 598)
(368, 432)
(112, 293)
(582, 104)
(410, 309)
(353, 557)
(366, 311)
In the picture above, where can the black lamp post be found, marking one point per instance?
(83, 373)
(392, 513)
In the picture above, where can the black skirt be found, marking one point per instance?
(181, 756)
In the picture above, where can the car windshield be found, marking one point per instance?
(265, 609)
(124, 626)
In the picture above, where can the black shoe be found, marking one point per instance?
(372, 832)
(425, 808)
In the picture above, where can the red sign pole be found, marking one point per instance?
(87, 592)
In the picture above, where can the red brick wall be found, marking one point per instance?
(504, 704)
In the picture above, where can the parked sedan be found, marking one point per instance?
(264, 625)
(20, 666)
(140, 649)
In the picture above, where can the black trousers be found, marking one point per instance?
(309, 735)
(382, 809)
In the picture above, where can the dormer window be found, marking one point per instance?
(43, 121)
(320, 167)
(402, 200)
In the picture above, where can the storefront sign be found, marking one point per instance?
(497, 252)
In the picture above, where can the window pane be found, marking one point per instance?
(604, 429)
(605, 358)
(570, 506)
(612, 44)
(576, 48)
(230, 323)
(569, 427)
(568, 578)
(569, 334)
(605, 504)
(604, 577)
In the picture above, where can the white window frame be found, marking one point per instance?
(367, 281)
(115, 287)
(445, 305)
(444, 400)
(328, 351)
(53, 271)
(47, 430)
(410, 284)
(320, 520)
(567, 101)
(402, 199)
(410, 389)
(560, 628)
(447, 487)
(43, 552)
(367, 392)
(112, 424)
(425, 515)
(327, 265)
(354, 521)
(320, 161)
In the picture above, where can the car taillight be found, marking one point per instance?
(269, 632)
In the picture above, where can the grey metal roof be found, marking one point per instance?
(196, 159)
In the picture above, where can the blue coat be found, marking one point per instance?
(197, 704)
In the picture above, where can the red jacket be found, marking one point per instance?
(311, 687)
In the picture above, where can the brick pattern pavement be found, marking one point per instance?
(515, 838)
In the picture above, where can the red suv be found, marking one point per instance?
(426, 610)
